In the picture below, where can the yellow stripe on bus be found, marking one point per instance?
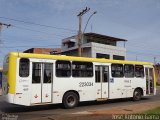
(12, 72)
(63, 57)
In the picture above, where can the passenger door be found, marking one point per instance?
(149, 80)
(47, 82)
(42, 79)
(101, 81)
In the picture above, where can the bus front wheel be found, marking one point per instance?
(137, 95)
(70, 100)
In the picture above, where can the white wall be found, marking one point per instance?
(107, 49)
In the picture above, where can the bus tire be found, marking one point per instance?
(137, 95)
(70, 100)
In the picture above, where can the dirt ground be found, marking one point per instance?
(106, 114)
(115, 113)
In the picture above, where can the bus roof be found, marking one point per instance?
(74, 58)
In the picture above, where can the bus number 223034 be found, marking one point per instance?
(85, 84)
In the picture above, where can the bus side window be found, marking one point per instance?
(63, 68)
(24, 67)
(48, 72)
(36, 72)
(82, 69)
(128, 71)
(139, 71)
(117, 70)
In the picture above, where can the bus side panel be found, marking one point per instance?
(129, 86)
(62, 85)
(115, 88)
(22, 95)
(123, 87)
(139, 83)
(84, 86)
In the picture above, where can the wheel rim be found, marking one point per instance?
(137, 95)
(71, 100)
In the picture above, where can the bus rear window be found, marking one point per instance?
(24, 67)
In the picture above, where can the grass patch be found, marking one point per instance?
(158, 87)
(153, 111)
(157, 84)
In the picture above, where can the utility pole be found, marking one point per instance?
(136, 58)
(1, 26)
(80, 30)
(154, 60)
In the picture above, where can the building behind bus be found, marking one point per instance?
(93, 45)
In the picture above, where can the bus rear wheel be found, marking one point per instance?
(70, 100)
(137, 95)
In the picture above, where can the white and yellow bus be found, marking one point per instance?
(38, 79)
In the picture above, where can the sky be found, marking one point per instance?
(44, 23)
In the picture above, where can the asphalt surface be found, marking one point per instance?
(58, 110)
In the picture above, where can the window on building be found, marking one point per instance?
(117, 70)
(128, 71)
(99, 55)
(71, 44)
(117, 57)
(63, 68)
(36, 72)
(139, 71)
(82, 69)
(24, 67)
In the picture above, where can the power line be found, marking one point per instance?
(36, 31)
(29, 46)
(37, 24)
(149, 51)
(33, 39)
(141, 46)
(143, 54)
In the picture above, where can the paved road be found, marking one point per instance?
(42, 111)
